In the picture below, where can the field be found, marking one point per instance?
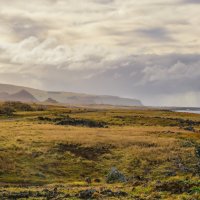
(57, 152)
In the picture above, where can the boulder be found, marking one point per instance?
(86, 194)
(115, 176)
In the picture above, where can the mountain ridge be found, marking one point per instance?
(37, 95)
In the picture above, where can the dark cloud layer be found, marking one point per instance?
(191, 1)
(157, 33)
(147, 77)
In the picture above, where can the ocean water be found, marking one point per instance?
(189, 111)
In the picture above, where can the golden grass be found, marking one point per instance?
(30, 147)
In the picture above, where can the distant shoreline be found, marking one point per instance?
(188, 111)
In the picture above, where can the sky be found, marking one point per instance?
(147, 49)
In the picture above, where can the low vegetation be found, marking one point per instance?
(57, 152)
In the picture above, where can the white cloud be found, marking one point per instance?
(177, 71)
(32, 51)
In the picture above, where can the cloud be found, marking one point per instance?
(144, 49)
(156, 79)
(178, 70)
(104, 1)
(191, 1)
(32, 51)
(156, 34)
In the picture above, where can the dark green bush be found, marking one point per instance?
(5, 110)
(18, 106)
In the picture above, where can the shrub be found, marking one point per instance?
(5, 110)
(19, 106)
(197, 151)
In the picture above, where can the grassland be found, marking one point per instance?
(49, 152)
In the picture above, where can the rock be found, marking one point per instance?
(175, 187)
(40, 174)
(36, 154)
(110, 193)
(55, 191)
(18, 195)
(88, 180)
(190, 128)
(97, 180)
(121, 194)
(197, 151)
(115, 176)
(67, 196)
(86, 194)
(170, 173)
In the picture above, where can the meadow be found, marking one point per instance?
(68, 152)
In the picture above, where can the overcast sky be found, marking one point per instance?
(147, 49)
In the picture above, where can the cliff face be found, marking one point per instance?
(24, 94)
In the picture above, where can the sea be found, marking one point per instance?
(189, 111)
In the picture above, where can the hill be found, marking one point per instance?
(12, 92)
(50, 100)
(22, 96)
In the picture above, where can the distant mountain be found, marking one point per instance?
(50, 100)
(25, 94)
(22, 96)
(4, 95)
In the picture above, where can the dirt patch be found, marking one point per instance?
(81, 122)
(175, 187)
(154, 121)
(75, 122)
(87, 152)
(47, 194)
